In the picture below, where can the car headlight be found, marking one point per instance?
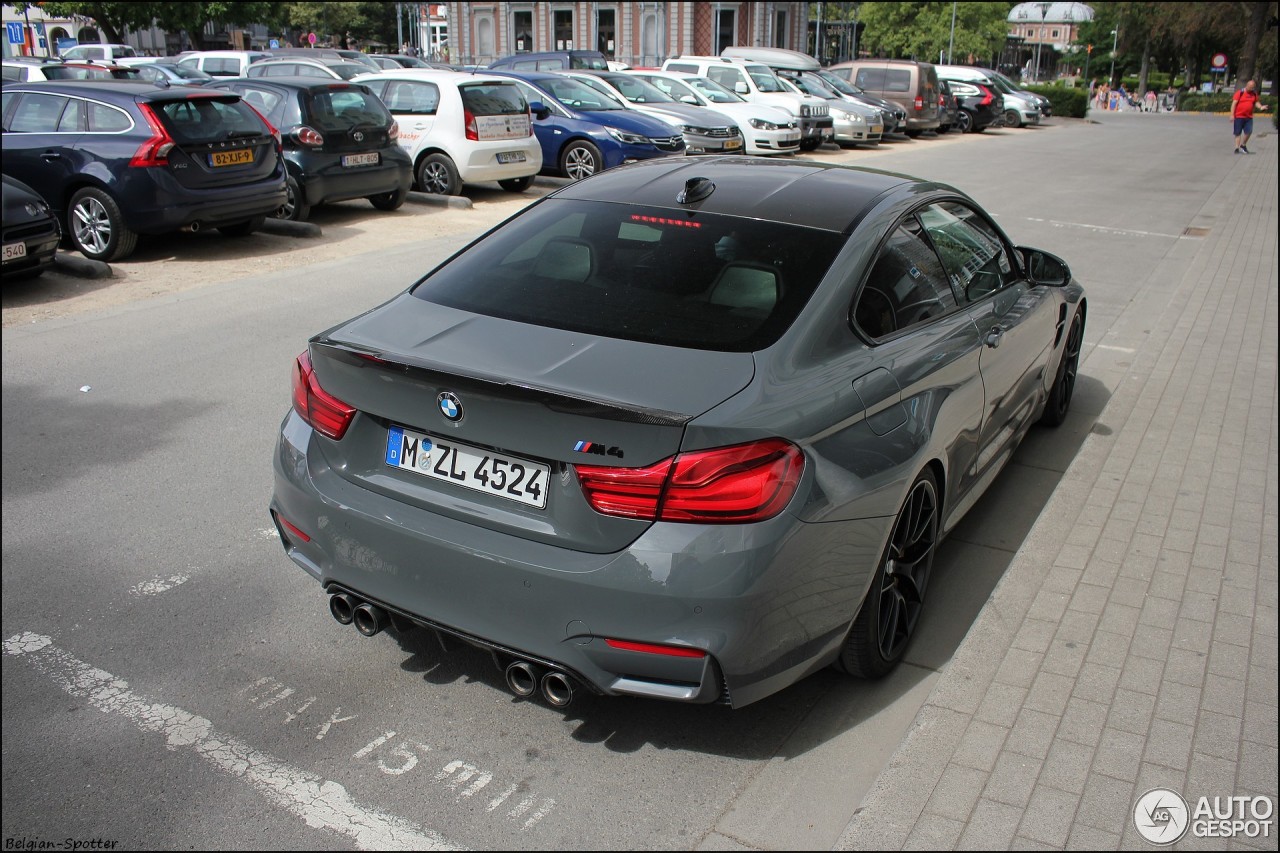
(761, 124)
(804, 109)
(627, 138)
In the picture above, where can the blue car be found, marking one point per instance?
(583, 131)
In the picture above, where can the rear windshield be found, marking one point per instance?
(593, 63)
(493, 99)
(675, 278)
(343, 109)
(193, 121)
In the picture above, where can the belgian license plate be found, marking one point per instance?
(231, 158)
(360, 159)
(731, 144)
(510, 156)
(13, 251)
(470, 467)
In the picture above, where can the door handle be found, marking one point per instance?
(50, 156)
(994, 336)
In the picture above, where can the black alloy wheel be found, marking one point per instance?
(437, 175)
(891, 611)
(1059, 402)
(294, 208)
(964, 121)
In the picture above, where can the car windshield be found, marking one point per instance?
(765, 80)
(410, 62)
(347, 70)
(637, 91)
(813, 86)
(580, 96)
(842, 86)
(1004, 83)
(684, 279)
(714, 92)
(200, 120)
(186, 72)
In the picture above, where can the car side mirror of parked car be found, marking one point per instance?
(539, 109)
(741, 88)
(689, 99)
(1044, 268)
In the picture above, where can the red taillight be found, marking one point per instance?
(651, 648)
(469, 122)
(394, 132)
(986, 96)
(308, 136)
(919, 103)
(727, 485)
(325, 412)
(942, 102)
(155, 151)
(275, 131)
(293, 529)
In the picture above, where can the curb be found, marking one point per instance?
(455, 201)
(289, 228)
(83, 267)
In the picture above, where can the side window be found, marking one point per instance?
(72, 120)
(12, 72)
(421, 99)
(727, 77)
(683, 67)
(37, 114)
(264, 101)
(105, 119)
(975, 258)
(898, 80)
(871, 79)
(906, 286)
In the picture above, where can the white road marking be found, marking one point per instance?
(374, 745)
(283, 694)
(500, 799)
(525, 805)
(1116, 349)
(157, 585)
(293, 715)
(320, 803)
(334, 719)
(1106, 230)
(476, 786)
(547, 805)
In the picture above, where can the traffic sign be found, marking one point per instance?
(1219, 61)
(311, 39)
(274, 45)
(14, 31)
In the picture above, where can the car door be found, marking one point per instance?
(415, 104)
(41, 130)
(1015, 321)
(552, 129)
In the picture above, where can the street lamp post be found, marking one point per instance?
(1044, 13)
(1115, 37)
(952, 43)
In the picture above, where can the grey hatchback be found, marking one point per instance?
(687, 430)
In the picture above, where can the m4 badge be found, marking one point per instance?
(598, 449)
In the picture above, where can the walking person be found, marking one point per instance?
(1242, 106)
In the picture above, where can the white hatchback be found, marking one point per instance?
(460, 128)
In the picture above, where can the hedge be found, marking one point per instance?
(1066, 102)
(1217, 103)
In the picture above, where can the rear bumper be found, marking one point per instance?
(154, 203)
(328, 180)
(481, 160)
(749, 596)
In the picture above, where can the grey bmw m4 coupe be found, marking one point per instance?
(687, 429)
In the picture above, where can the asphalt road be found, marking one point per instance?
(171, 680)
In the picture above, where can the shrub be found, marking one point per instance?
(1066, 102)
(1217, 103)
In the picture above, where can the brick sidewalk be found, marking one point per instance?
(1132, 643)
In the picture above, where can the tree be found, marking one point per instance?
(115, 19)
(922, 30)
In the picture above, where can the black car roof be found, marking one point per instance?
(308, 83)
(141, 90)
(814, 195)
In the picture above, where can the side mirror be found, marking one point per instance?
(689, 99)
(741, 88)
(1044, 268)
(539, 109)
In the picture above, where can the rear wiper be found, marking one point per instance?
(241, 134)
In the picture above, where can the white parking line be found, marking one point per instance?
(320, 803)
(157, 585)
(1107, 230)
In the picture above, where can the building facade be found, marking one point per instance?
(637, 34)
(1041, 37)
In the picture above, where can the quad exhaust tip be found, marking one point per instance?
(369, 620)
(557, 689)
(343, 607)
(522, 678)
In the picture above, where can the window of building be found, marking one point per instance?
(605, 34)
(522, 31)
(649, 39)
(562, 24)
(1054, 34)
(726, 29)
(780, 29)
(484, 37)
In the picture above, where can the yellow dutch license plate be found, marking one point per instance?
(231, 158)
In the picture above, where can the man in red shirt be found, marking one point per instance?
(1242, 104)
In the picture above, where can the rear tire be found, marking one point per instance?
(437, 175)
(1012, 119)
(389, 200)
(1059, 402)
(97, 226)
(883, 628)
(964, 121)
(294, 209)
(580, 159)
(243, 229)
(516, 185)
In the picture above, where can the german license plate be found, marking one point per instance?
(360, 159)
(13, 251)
(732, 144)
(231, 158)
(510, 156)
(470, 467)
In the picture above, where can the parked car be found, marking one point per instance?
(705, 131)
(1019, 109)
(980, 106)
(98, 52)
(854, 123)
(1004, 84)
(173, 74)
(396, 61)
(460, 128)
(30, 230)
(948, 107)
(552, 60)
(342, 53)
(325, 68)
(894, 115)
(221, 63)
(31, 72)
(583, 131)
(116, 159)
(689, 430)
(765, 129)
(912, 84)
(339, 142)
(25, 68)
(756, 82)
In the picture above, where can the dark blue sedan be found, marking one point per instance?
(583, 131)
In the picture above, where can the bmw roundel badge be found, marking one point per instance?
(450, 405)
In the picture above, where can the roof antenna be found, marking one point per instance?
(695, 189)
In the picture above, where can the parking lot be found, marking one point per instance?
(172, 680)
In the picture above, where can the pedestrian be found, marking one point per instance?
(1243, 103)
(1151, 100)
